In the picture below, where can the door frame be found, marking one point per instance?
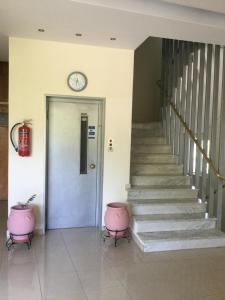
(100, 148)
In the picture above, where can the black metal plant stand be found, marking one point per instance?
(126, 235)
(11, 240)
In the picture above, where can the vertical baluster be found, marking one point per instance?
(171, 70)
(178, 96)
(188, 107)
(166, 80)
(195, 115)
(183, 99)
(201, 114)
(210, 185)
(221, 203)
(217, 104)
(194, 109)
(214, 138)
(207, 88)
(169, 87)
(170, 90)
(174, 93)
(164, 77)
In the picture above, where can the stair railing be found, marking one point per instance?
(193, 97)
(195, 140)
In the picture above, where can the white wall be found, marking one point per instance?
(38, 68)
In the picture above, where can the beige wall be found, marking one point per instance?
(38, 68)
(147, 70)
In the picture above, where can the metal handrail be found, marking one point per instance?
(195, 140)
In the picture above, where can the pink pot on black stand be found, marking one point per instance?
(117, 221)
(20, 224)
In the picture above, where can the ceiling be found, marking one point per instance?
(130, 21)
(210, 5)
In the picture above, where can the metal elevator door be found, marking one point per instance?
(72, 164)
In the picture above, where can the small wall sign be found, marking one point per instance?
(91, 132)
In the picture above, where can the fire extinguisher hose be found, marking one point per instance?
(11, 136)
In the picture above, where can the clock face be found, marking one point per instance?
(77, 81)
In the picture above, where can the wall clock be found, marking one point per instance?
(77, 81)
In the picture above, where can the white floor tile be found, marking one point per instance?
(110, 293)
(61, 286)
(95, 280)
(75, 264)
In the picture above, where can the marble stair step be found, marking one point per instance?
(154, 158)
(167, 214)
(163, 201)
(171, 222)
(140, 208)
(154, 148)
(176, 240)
(161, 180)
(156, 169)
(152, 125)
(149, 140)
(161, 192)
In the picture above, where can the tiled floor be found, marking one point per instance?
(75, 264)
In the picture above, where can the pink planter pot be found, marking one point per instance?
(21, 222)
(117, 219)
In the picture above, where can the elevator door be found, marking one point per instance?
(72, 164)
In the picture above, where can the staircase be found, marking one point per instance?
(167, 214)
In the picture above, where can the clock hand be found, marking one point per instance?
(77, 83)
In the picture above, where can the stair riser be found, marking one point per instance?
(178, 245)
(164, 245)
(147, 132)
(163, 158)
(151, 149)
(149, 141)
(156, 169)
(152, 209)
(173, 225)
(162, 194)
(160, 180)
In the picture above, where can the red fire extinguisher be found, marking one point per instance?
(24, 132)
